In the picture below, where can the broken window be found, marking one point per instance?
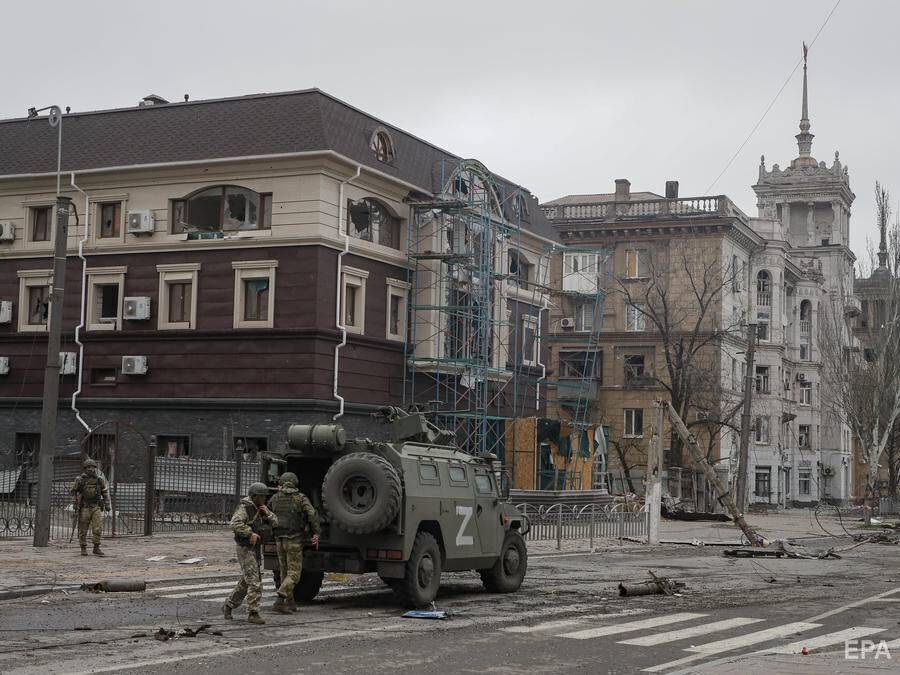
(256, 299)
(803, 435)
(28, 448)
(636, 264)
(38, 305)
(103, 376)
(222, 208)
(762, 430)
(519, 269)
(110, 219)
(580, 364)
(40, 223)
(368, 220)
(250, 447)
(106, 303)
(382, 145)
(762, 380)
(634, 367)
(173, 446)
(762, 330)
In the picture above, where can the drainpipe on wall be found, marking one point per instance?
(80, 326)
(338, 319)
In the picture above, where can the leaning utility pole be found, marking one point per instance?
(51, 374)
(654, 475)
(743, 457)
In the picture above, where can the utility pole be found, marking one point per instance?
(654, 474)
(743, 457)
(51, 374)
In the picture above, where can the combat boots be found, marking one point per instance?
(226, 612)
(254, 617)
(292, 604)
(84, 549)
(281, 605)
(97, 550)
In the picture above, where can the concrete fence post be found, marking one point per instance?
(559, 519)
(621, 524)
(593, 508)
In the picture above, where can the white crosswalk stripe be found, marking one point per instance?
(630, 626)
(752, 638)
(823, 640)
(693, 631)
(541, 627)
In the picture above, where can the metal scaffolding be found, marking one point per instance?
(470, 360)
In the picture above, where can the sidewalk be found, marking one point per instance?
(24, 568)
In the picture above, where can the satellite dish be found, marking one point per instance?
(55, 115)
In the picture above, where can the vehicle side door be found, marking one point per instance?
(462, 538)
(487, 511)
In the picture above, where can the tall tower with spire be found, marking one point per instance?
(810, 199)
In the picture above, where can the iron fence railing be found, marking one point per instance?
(561, 522)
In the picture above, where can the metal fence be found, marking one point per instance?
(888, 506)
(182, 494)
(561, 522)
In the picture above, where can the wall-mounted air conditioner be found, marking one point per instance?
(6, 308)
(567, 322)
(136, 309)
(4, 365)
(140, 222)
(134, 365)
(68, 363)
(7, 232)
(801, 377)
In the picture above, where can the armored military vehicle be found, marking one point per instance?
(408, 509)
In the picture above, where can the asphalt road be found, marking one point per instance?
(566, 618)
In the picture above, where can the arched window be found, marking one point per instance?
(519, 205)
(382, 145)
(222, 208)
(763, 289)
(369, 220)
(806, 311)
(471, 183)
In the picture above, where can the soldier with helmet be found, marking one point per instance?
(91, 494)
(251, 523)
(297, 520)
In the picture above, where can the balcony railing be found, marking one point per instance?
(764, 299)
(576, 388)
(645, 208)
(804, 327)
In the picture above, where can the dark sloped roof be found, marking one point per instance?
(260, 124)
(601, 198)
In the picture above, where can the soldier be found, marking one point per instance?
(296, 519)
(250, 523)
(91, 496)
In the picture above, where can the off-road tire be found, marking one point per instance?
(423, 573)
(361, 493)
(309, 585)
(508, 572)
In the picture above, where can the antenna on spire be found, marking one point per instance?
(804, 138)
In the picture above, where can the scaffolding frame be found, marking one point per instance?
(465, 359)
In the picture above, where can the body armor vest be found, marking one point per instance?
(257, 525)
(91, 491)
(291, 519)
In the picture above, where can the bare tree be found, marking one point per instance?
(862, 374)
(679, 299)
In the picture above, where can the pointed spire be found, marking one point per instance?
(882, 246)
(804, 138)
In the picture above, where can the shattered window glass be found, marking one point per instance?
(220, 208)
(370, 221)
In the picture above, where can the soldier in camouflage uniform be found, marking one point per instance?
(91, 494)
(297, 519)
(250, 523)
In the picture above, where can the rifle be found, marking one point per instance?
(75, 513)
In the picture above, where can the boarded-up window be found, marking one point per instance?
(179, 301)
(110, 217)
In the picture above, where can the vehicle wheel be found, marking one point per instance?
(423, 573)
(508, 572)
(361, 493)
(308, 586)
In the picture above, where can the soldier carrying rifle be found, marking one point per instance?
(91, 494)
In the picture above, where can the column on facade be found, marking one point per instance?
(837, 223)
(810, 224)
(786, 218)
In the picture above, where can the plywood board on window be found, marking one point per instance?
(521, 460)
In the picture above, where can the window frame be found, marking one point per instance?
(458, 482)
(31, 279)
(626, 367)
(118, 204)
(532, 321)
(94, 381)
(807, 435)
(484, 476)
(31, 213)
(636, 264)
(581, 358)
(263, 219)
(164, 453)
(764, 472)
(635, 318)
(248, 270)
(625, 426)
(176, 273)
(762, 379)
(805, 393)
(759, 426)
(437, 472)
(804, 479)
(397, 289)
(384, 150)
(351, 276)
(105, 276)
(581, 312)
(374, 228)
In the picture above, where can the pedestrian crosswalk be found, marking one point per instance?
(218, 591)
(747, 633)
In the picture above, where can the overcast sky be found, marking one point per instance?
(562, 97)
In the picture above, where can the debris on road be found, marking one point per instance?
(157, 558)
(432, 613)
(192, 561)
(116, 586)
(194, 632)
(164, 634)
(655, 586)
(781, 548)
(82, 628)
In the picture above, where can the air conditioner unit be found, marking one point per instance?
(68, 363)
(134, 365)
(567, 322)
(7, 232)
(4, 365)
(140, 222)
(6, 307)
(136, 309)
(801, 377)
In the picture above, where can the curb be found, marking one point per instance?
(28, 591)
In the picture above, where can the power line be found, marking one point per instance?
(766, 112)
